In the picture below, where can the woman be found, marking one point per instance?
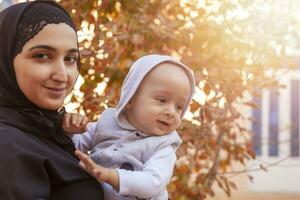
(38, 66)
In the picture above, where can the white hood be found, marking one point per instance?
(136, 74)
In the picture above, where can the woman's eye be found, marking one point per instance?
(71, 59)
(41, 56)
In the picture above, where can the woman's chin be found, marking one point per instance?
(51, 104)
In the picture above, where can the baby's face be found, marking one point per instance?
(160, 100)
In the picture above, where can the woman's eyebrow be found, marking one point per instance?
(42, 47)
(73, 50)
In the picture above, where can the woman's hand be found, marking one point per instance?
(102, 174)
(74, 123)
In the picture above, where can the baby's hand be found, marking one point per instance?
(99, 172)
(102, 174)
(74, 123)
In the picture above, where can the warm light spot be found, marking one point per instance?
(95, 14)
(100, 56)
(100, 88)
(87, 32)
(91, 71)
(157, 21)
(70, 107)
(118, 7)
(109, 34)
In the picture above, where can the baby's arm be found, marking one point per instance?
(155, 175)
(153, 178)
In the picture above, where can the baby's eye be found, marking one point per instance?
(41, 56)
(179, 107)
(161, 99)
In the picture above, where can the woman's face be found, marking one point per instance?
(46, 69)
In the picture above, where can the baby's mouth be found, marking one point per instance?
(163, 122)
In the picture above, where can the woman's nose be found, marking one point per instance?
(60, 72)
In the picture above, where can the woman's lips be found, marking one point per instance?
(56, 91)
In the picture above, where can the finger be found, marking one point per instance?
(84, 123)
(89, 163)
(86, 160)
(78, 120)
(81, 157)
(74, 120)
(67, 120)
(97, 173)
(79, 154)
(82, 165)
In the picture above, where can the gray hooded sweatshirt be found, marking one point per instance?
(144, 163)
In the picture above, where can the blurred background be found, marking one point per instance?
(241, 135)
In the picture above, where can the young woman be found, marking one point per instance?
(39, 62)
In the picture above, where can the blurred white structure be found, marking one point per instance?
(276, 142)
(5, 3)
(276, 137)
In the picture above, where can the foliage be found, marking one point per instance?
(229, 54)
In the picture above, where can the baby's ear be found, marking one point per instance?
(128, 105)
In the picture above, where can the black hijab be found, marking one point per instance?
(18, 24)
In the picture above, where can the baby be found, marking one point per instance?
(134, 145)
